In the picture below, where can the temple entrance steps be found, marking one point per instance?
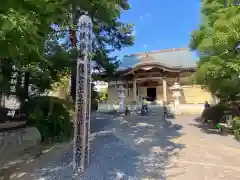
(155, 110)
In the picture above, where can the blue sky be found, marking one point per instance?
(161, 24)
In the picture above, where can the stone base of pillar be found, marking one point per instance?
(176, 110)
(121, 106)
(176, 102)
(120, 114)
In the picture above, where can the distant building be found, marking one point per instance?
(151, 74)
(100, 85)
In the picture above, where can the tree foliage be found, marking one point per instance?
(39, 38)
(110, 33)
(36, 37)
(215, 42)
(25, 25)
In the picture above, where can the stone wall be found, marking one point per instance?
(194, 94)
(14, 144)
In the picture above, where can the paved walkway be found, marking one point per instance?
(145, 148)
(207, 155)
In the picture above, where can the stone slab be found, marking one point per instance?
(10, 125)
(15, 143)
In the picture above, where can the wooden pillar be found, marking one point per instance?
(134, 90)
(164, 90)
(127, 88)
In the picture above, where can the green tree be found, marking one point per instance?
(25, 24)
(111, 34)
(103, 95)
(39, 38)
(215, 42)
(25, 35)
(31, 31)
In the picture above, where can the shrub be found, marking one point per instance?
(94, 99)
(236, 127)
(51, 116)
(102, 96)
(237, 133)
(236, 123)
(214, 113)
(94, 105)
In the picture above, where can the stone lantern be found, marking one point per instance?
(121, 97)
(176, 93)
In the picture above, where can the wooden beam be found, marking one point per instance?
(149, 74)
(149, 78)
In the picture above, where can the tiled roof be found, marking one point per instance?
(180, 58)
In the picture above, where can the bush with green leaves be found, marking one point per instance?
(237, 134)
(236, 126)
(102, 95)
(214, 113)
(51, 116)
(94, 98)
(236, 123)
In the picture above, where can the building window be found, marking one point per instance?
(137, 91)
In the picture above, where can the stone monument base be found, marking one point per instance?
(15, 145)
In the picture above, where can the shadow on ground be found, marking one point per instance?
(153, 137)
(110, 158)
(100, 120)
(142, 147)
(205, 127)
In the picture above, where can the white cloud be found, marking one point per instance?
(145, 45)
(147, 15)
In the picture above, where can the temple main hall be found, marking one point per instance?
(152, 74)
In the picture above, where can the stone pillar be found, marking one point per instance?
(176, 93)
(135, 90)
(164, 90)
(121, 97)
(178, 79)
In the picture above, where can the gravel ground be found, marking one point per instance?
(139, 148)
(110, 157)
(144, 148)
